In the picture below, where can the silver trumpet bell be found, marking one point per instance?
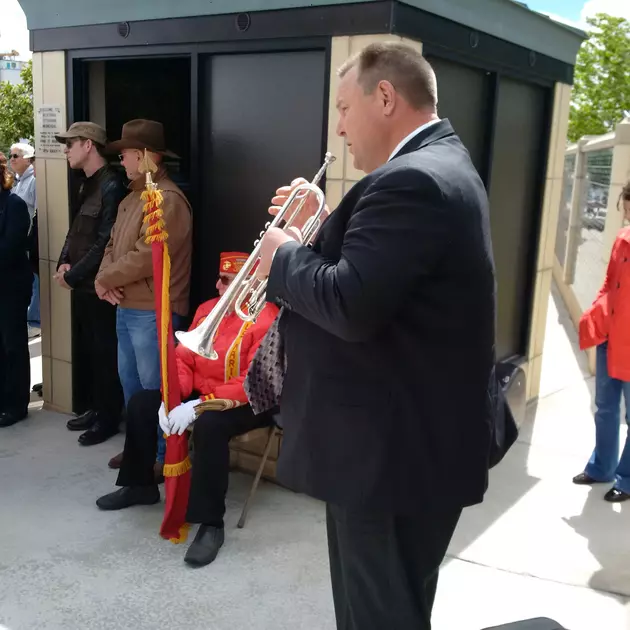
(246, 295)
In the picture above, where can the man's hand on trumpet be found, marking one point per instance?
(274, 238)
(308, 209)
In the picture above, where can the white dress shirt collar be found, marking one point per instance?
(413, 134)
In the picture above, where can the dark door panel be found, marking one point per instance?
(261, 120)
(518, 162)
(464, 96)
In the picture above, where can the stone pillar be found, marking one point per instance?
(547, 235)
(49, 88)
(619, 177)
(578, 202)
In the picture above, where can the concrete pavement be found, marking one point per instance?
(537, 546)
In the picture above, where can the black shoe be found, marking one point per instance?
(99, 433)
(584, 480)
(205, 547)
(8, 419)
(614, 495)
(116, 462)
(83, 422)
(128, 496)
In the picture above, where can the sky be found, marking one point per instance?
(14, 35)
(575, 12)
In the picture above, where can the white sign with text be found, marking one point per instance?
(49, 123)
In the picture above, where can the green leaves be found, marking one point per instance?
(16, 109)
(601, 90)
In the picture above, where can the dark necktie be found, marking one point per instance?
(265, 377)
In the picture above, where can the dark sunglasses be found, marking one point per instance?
(14, 156)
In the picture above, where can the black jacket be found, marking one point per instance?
(99, 198)
(15, 223)
(389, 337)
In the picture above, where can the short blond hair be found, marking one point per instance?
(400, 64)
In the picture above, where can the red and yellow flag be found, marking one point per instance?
(177, 464)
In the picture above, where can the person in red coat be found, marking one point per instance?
(606, 324)
(200, 380)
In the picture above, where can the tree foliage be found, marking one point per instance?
(601, 91)
(16, 109)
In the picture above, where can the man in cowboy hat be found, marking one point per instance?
(125, 277)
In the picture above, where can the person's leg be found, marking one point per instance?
(82, 352)
(603, 462)
(127, 365)
(337, 573)
(16, 384)
(34, 318)
(177, 324)
(384, 568)
(106, 391)
(3, 363)
(143, 332)
(136, 470)
(622, 474)
(212, 433)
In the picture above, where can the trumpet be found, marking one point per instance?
(246, 296)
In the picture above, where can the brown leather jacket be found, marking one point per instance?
(127, 261)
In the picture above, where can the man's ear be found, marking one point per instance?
(387, 96)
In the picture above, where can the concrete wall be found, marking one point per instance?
(49, 88)
(547, 235)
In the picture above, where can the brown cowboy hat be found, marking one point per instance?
(142, 134)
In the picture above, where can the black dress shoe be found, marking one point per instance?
(205, 547)
(116, 462)
(8, 419)
(83, 422)
(128, 496)
(585, 480)
(614, 495)
(99, 433)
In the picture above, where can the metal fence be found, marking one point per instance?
(580, 245)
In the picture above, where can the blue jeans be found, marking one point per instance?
(605, 463)
(139, 355)
(33, 310)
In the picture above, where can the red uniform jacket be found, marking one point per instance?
(235, 343)
(608, 319)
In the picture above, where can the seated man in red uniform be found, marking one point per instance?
(200, 379)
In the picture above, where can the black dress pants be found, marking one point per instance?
(15, 361)
(384, 568)
(97, 349)
(212, 433)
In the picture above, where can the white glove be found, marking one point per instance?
(165, 425)
(183, 416)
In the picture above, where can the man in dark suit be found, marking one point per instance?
(388, 328)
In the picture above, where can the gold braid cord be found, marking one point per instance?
(216, 404)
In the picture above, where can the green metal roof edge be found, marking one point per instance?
(506, 19)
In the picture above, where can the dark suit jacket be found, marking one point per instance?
(15, 222)
(389, 334)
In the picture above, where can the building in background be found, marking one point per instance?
(10, 67)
